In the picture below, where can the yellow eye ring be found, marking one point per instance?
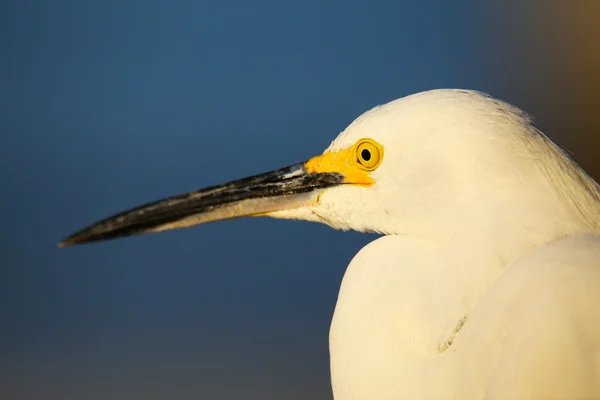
(369, 154)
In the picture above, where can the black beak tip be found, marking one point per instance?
(82, 237)
(97, 233)
(71, 240)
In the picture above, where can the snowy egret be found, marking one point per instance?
(486, 283)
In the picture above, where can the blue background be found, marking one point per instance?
(108, 104)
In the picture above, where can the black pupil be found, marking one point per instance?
(366, 154)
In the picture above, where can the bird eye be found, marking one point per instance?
(368, 154)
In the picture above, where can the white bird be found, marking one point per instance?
(486, 283)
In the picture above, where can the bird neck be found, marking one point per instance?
(514, 195)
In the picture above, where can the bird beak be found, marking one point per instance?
(282, 189)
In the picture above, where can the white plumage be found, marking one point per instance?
(487, 285)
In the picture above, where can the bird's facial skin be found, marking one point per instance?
(355, 163)
(290, 192)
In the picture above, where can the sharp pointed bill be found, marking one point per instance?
(282, 189)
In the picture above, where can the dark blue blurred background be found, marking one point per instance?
(108, 104)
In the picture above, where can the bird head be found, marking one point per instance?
(416, 165)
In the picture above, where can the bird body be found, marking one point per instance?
(533, 334)
(486, 281)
